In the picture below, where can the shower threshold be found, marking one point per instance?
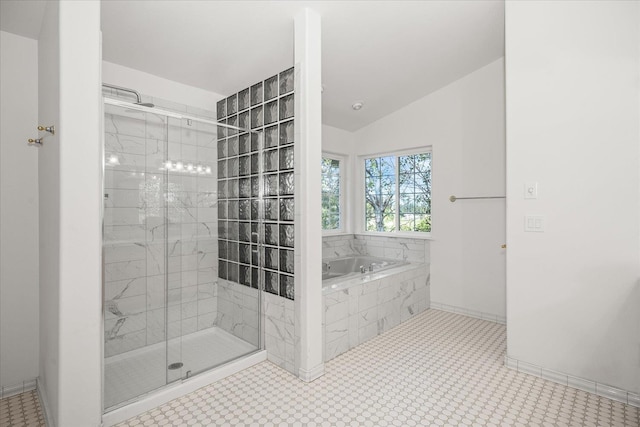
(136, 378)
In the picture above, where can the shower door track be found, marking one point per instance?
(173, 114)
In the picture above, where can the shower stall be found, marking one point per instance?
(164, 315)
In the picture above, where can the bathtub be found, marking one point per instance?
(340, 269)
(365, 296)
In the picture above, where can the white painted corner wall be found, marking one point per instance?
(70, 200)
(464, 124)
(19, 311)
(573, 126)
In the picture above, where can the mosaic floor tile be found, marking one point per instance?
(21, 410)
(438, 369)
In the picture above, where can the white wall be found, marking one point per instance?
(18, 210)
(573, 126)
(464, 124)
(159, 87)
(70, 202)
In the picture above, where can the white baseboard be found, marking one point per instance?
(470, 313)
(311, 374)
(44, 404)
(12, 390)
(583, 384)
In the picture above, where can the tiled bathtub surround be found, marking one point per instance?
(360, 309)
(397, 248)
(267, 108)
(138, 217)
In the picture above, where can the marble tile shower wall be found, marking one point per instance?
(397, 248)
(267, 108)
(138, 216)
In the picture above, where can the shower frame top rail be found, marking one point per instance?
(173, 114)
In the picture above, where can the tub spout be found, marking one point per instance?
(362, 269)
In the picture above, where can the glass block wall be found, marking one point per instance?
(266, 107)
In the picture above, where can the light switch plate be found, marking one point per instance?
(530, 190)
(534, 223)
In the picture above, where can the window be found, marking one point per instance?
(331, 194)
(398, 193)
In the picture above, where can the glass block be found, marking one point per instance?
(222, 149)
(233, 188)
(244, 275)
(232, 211)
(244, 120)
(271, 88)
(286, 107)
(244, 166)
(271, 258)
(244, 143)
(244, 209)
(255, 278)
(286, 81)
(286, 184)
(222, 249)
(286, 210)
(271, 282)
(232, 121)
(222, 169)
(271, 234)
(232, 146)
(286, 132)
(233, 230)
(286, 235)
(286, 158)
(270, 161)
(256, 94)
(286, 260)
(255, 186)
(244, 188)
(232, 251)
(222, 189)
(232, 271)
(286, 286)
(256, 117)
(223, 229)
(255, 205)
(243, 99)
(255, 166)
(271, 185)
(221, 109)
(244, 232)
(270, 209)
(232, 104)
(222, 209)
(271, 137)
(221, 130)
(271, 112)
(222, 269)
(232, 167)
(255, 259)
(255, 140)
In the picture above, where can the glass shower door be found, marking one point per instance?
(135, 300)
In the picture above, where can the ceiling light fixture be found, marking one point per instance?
(357, 105)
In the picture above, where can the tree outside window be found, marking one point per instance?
(398, 193)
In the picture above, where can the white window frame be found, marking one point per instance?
(362, 196)
(343, 197)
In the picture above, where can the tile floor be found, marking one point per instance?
(21, 410)
(437, 369)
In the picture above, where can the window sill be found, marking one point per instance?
(398, 235)
(327, 233)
